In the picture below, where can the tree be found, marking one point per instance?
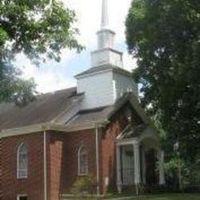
(40, 29)
(164, 35)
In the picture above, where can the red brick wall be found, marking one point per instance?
(70, 166)
(108, 163)
(55, 159)
(108, 147)
(33, 185)
(63, 160)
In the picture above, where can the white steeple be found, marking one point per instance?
(105, 35)
(105, 54)
(104, 16)
(105, 81)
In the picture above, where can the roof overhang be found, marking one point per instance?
(49, 126)
(61, 127)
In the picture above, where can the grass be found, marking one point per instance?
(179, 196)
(170, 197)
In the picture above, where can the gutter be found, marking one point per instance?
(97, 159)
(45, 163)
(36, 128)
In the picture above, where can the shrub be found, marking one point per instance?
(84, 187)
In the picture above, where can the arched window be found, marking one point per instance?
(82, 161)
(22, 161)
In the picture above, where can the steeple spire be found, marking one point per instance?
(105, 53)
(105, 35)
(104, 17)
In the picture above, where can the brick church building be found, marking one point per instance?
(97, 128)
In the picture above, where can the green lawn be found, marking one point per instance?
(180, 196)
(170, 197)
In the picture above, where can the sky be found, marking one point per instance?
(53, 76)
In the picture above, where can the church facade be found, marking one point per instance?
(96, 129)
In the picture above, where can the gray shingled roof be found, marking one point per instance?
(61, 107)
(104, 113)
(104, 68)
(45, 108)
(91, 116)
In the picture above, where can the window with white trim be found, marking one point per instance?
(22, 161)
(82, 161)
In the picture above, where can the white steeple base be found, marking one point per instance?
(105, 82)
(106, 56)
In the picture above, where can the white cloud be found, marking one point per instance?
(54, 76)
(89, 14)
(129, 62)
(49, 76)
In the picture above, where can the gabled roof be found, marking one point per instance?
(103, 68)
(45, 108)
(60, 110)
(103, 114)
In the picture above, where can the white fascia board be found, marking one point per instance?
(23, 130)
(71, 128)
(38, 128)
(129, 141)
(92, 74)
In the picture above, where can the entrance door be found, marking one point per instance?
(127, 165)
(150, 158)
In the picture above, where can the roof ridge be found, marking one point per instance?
(56, 91)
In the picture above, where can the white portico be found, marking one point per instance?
(133, 150)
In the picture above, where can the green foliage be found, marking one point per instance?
(164, 35)
(84, 187)
(14, 89)
(193, 175)
(171, 170)
(37, 29)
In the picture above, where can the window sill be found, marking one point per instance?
(21, 178)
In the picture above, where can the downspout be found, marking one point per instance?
(97, 159)
(45, 163)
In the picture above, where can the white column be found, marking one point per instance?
(137, 166)
(143, 167)
(118, 160)
(161, 168)
(137, 162)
